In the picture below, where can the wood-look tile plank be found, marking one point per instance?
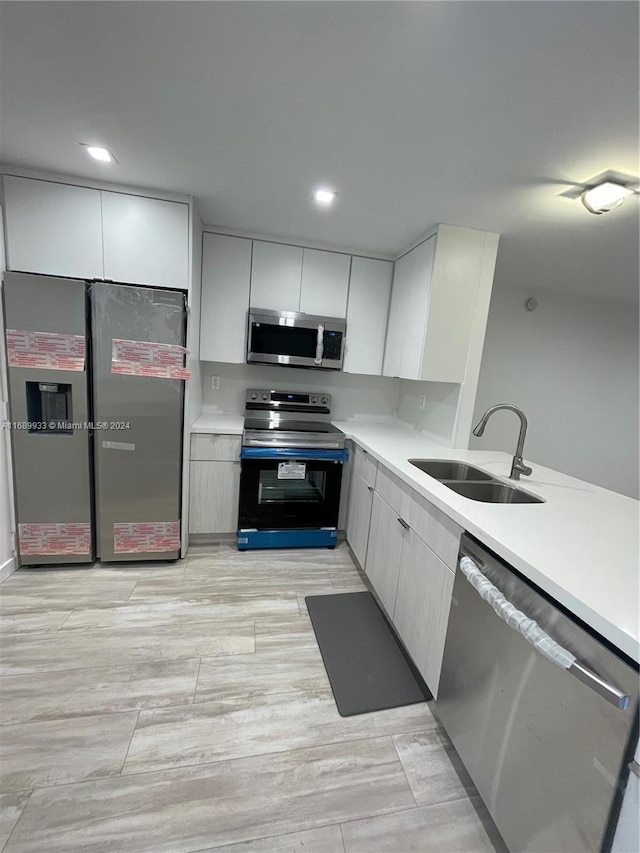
(11, 806)
(24, 653)
(427, 765)
(231, 582)
(325, 839)
(284, 632)
(61, 751)
(235, 728)
(444, 828)
(161, 612)
(285, 670)
(194, 808)
(38, 621)
(16, 597)
(81, 692)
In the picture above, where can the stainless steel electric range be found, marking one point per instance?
(291, 471)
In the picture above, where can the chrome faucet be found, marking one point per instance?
(517, 466)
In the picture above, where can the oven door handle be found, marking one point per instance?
(537, 637)
(294, 453)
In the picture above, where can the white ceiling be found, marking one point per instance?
(470, 113)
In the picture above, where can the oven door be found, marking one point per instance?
(297, 340)
(289, 489)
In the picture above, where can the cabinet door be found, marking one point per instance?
(276, 271)
(398, 310)
(214, 489)
(226, 275)
(384, 552)
(367, 314)
(52, 228)
(358, 517)
(325, 283)
(146, 240)
(421, 613)
(417, 290)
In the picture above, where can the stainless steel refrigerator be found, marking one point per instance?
(96, 396)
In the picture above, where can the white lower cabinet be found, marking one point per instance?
(421, 611)
(359, 516)
(384, 553)
(214, 491)
(214, 483)
(411, 580)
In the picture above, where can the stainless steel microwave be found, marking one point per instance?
(296, 340)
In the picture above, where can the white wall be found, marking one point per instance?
(572, 366)
(365, 398)
(7, 554)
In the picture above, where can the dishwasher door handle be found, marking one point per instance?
(536, 636)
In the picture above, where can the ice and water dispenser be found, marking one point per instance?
(49, 408)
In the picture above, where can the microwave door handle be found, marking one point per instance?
(536, 637)
(319, 344)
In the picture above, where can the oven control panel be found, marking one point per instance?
(288, 400)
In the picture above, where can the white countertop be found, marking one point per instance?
(219, 424)
(581, 546)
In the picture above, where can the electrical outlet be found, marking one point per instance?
(215, 383)
(423, 401)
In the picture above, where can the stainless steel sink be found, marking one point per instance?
(493, 492)
(473, 483)
(447, 469)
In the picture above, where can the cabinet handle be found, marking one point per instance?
(404, 524)
(370, 488)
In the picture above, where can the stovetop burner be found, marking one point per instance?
(312, 429)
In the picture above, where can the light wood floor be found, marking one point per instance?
(185, 707)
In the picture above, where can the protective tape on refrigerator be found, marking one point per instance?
(148, 358)
(146, 537)
(517, 620)
(56, 538)
(45, 350)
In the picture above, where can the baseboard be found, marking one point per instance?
(8, 568)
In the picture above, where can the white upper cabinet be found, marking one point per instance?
(63, 230)
(226, 276)
(276, 273)
(53, 228)
(408, 311)
(325, 283)
(438, 305)
(146, 240)
(367, 310)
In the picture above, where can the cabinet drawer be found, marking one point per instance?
(365, 465)
(215, 448)
(435, 528)
(396, 493)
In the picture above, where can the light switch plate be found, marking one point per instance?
(215, 383)
(423, 401)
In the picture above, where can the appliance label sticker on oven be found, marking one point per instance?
(291, 470)
(56, 538)
(45, 350)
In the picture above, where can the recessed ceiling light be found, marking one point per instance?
(605, 196)
(324, 197)
(101, 154)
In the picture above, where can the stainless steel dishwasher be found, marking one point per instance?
(545, 741)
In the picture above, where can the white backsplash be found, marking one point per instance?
(439, 413)
(354, 397)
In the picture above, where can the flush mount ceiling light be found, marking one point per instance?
(603, 197)
(324, 196)
(103, 155)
